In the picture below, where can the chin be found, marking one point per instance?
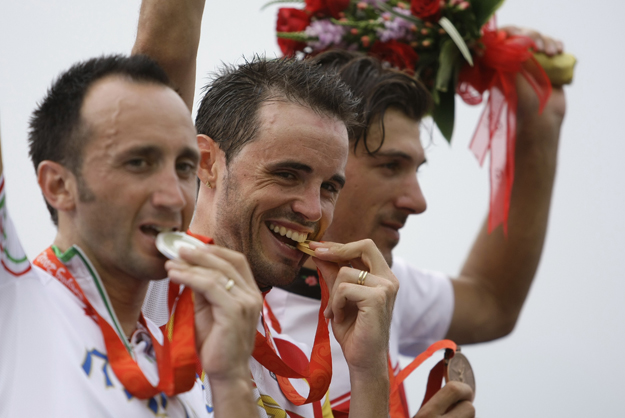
(268, 275)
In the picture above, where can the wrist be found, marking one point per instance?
(233, 396)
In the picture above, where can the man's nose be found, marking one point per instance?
(308, 204)
(168, 193)
(411, 198)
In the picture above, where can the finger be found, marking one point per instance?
(347, 289)
(208, 283)
(212, 258)
(235, 258)
(229, 284)
(364, 250)
(445, 399)
(463, 409)
(346, 293)
(551, 48)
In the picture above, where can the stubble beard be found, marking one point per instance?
(230, 233)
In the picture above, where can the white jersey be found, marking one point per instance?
(269, 397)
(53, 360)
(421, 316)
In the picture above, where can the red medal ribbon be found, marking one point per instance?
(290, 364)
(397, 409)
(175, 359)
(495, 69)
(317, 371)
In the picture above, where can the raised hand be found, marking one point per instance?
(227, 307)
(362, 296)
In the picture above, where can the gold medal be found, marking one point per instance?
(305, 247)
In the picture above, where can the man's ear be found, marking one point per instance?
(212, 160)
(58, 185)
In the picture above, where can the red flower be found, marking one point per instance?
(327, 7)
(428, 10)
(291, 20)
(398, 54)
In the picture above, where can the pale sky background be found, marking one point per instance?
(565, 356)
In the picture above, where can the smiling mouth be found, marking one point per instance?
(287, 236)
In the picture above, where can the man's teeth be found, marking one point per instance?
(294, 235)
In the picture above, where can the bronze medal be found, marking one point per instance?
(459, 370)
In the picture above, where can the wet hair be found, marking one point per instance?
(229, 108)
(378, 88)
(57, 131)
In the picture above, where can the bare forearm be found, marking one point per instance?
(169, 32)
(497, 275)
(369, 392)
(234, 399)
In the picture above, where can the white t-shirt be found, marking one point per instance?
(267, 393)
(53, 360)
(421, 316)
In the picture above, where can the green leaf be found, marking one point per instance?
(296, 36)
(444, 114)
(484, 10)
(448, 61)
(272, 2)
(435, 97)
(360, 24)
(409, 18)
(457, 38)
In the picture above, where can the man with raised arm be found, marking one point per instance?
(382, 190)
(116, 158)
(273, 146)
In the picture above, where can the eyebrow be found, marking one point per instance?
(337, 178)
(398, 154)
(156, 152)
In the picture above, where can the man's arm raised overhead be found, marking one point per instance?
(169, 33)
(498, 272)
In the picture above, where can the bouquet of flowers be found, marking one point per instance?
(451, 46)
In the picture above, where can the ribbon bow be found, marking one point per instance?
(495, 69)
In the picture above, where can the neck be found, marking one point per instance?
(127, 299)
(125, 293)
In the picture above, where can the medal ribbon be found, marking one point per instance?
(175, 359)
(436, 376)
(317, 372)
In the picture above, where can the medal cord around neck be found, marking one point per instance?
(175, 359)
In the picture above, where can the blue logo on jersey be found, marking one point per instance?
(86, 365)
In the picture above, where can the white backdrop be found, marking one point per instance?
(565, 356)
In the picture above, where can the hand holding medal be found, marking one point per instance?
(227, 302)
(362, 295)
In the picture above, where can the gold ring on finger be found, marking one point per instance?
(229, 284)
(361, 277)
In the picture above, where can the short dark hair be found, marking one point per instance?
(228, 111)
(57, 132)
(378, 87)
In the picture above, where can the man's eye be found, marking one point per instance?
(330, 187)
(391, 166)
(286, 175)
(185, 168)
(137, 164)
